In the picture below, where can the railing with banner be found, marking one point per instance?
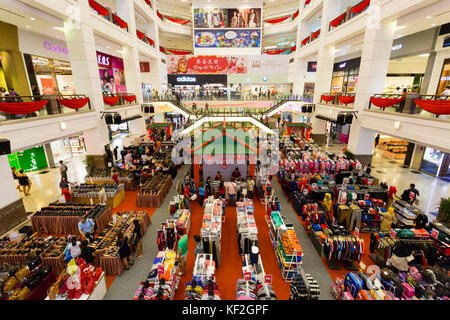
(20, 107)
(281, 17)
(349, 14)
(108, 14)
(338, 98)
(435, 106)
(177, 52)
(119, 99)
(141, 36)
(235, 97)
(174, 18)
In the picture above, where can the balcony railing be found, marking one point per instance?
(21, 107)
(280, 18)
(349, 14)
(338, 98)
(311, 37)
(430, 106)
(235, 96)
(115, 100)
(174, 19)
(141, 36)
(107, 13)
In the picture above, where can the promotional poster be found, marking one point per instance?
(227, 38)
(112, 75)
(215, 18)
(210, 64)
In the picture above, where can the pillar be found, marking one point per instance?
(132, 72)
(95, 140)
(376, 52)
(428, 73)
(318, 130)
(196, 175)
(416, 159)
(251, 170)
(324, 73)
(11, 206)
(138, 126)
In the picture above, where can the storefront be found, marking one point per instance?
(345, 76)
(29, 160)
(392, 148)
(67, 148)
(47, 63)
(436, 163)
(198, 85)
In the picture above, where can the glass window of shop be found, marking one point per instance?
(444, 81)
(29, 160)
(345, 76)
(67, 148)
(50, 76)
(431, 161)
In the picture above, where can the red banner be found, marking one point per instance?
(140, 34)
(360, 6)
(159, 15)
(179, 21)
(434, 106)
(314, 35)
(277, 20)
(179, 52)
(162, 49)
(120, 22)
(272, 52)
(346, 99)
(295, 15)
(99, 8)
(129, 98)
(207, 64)
(148, 2)
(307, 2)
(294, 48)
(111, 100)
(305, 41)
(338, 20)
(144, 66)
(22, 107)
(150, 41)
(327, 98)
(384, 102)
(74, 103)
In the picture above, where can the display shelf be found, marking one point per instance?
(98, 293)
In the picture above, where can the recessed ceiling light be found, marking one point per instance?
(27, 26)
(108, 47)
(429, 17)
(424, 55)
(433, 24)
(401, 27)
(32, 18)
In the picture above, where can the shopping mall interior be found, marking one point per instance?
(225, 150)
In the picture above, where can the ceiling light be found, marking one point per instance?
(27, 26)
(433, 24)
(429, 17)
(424, 55)
(32, 18)
(401, 27)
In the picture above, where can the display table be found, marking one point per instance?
(154, 200)
(40, 292)
(57, 263)
(113, 265)
(110, 202)
(66, 224)
(98, 293)
(127, 182)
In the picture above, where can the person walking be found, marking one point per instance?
(231, 190)
(208, 187)
(187, 196)
(377, 140)
(63, 184)
(250, 186)
(16, 177)
(201, 193)
(85, 226)
(124, 250)
(24, 182)
(182, 252)
(136, 238)
(116, 151)
(63, 169)
(74, 247)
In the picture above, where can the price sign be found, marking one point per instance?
(393, 234)
(356, 232)
(247, 276)
(434, 233)
(160, 269)
(268, 279)
(362, 266)
(314, 186)
(366, 196)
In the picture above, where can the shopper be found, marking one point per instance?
(115, 176)
(377, 140)
(182, 252)
(368, 169)
(215, 187)
(24, 182)
(208, 187)
(136, 238)
(86, 225)
(16, 177)
(201, 193)
(414, 193)
(187, 196)
(391, 193)
(236, 175)
(250, 186)
(63, 184)
(66, 195)
(124, 250)
(231, 190)
(222, 190)
(3, 92)
(74, 247)
(219, 175)
(63, 169)
(88, 253)
(116, 151)
(198, 244)
(89, 237)
(102, 195)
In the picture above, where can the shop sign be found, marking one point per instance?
(342, 65)
(397, 47)
(103, 60)
(144, 66)
(312, 66)
(55, 48)
(435, 233)
(187, 79)
(268, 279)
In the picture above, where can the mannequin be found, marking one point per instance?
(327, 203)
(388, 217)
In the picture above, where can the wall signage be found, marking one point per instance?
(55, 48)
(187, 79)
(397, 47)
(312, 66)
(343, 65)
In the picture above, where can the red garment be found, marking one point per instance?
(115, 178)
(186, 192)
(392, 191)
(66, 194)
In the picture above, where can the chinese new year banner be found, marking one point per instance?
(227, 38)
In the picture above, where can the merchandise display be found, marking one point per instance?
(63, 218)
(181, 215)
(103, 175)
(152, 193)
(83, 193)
(203, 285)
(211, 230)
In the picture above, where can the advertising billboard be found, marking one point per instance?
(227, 38)
(112, 74)
(218, 18)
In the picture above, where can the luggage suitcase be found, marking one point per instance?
(408, 291)
(353, 283)
(336, 291)
(364, 295)
(389, 295)
(386, 284)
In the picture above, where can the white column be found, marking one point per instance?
(132, 72)
(318, 126)
(324, 73)
(9, 192)
(96, 139)
(138, 126)
(375, 58)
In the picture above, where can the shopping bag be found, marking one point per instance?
(194, 196)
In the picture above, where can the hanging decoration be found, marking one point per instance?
(140, 35)
(74, 103)
(130, 98)
(360, 6)
(327, 98)
(338, 20)
(152, 43)
(384, 102)
(175, 20)
(315, 34)
(179, 52)
(434, 106)
(272, 52)
(159, 15)
(111, 100)
(22, 107)
(295, 15)
(346, 99)
(294, 48)
(162, 49)
(277, 20)
(99, 8)
(120, 22)
(307, 2)
(305, 41)
(148, 2)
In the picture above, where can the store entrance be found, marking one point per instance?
(391, 148)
